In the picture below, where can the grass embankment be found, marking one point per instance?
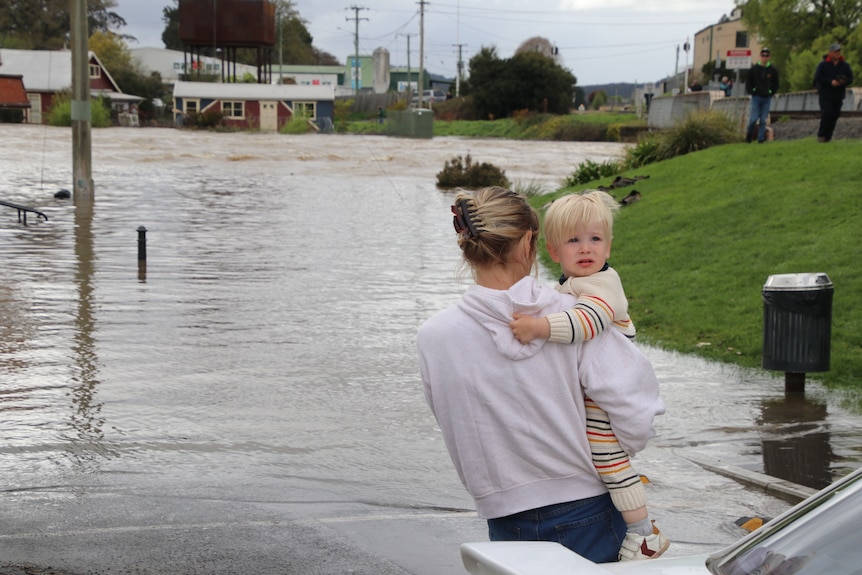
(712, 226)
(577, 127)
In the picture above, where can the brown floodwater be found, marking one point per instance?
(267, 346)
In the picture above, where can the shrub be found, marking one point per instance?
(698, 131)
(298, 124)
(460, 108)
(61, 112)
(530, 188)
(207, 120)
(613, 133)
(463, 173)
(520, 116)
(645, 152)
(588, 170)
(342, 114)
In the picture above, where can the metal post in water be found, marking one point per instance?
(142, 243)
(142, 253)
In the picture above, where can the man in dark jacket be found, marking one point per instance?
(831, 77)
(762, 84)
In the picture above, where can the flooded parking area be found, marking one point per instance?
(264, 356)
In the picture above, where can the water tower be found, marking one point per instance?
(218, 27)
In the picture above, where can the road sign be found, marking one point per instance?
(738, 59)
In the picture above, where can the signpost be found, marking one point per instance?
(737, 60)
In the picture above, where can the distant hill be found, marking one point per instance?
(621, 89)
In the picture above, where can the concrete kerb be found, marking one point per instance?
(792, 492)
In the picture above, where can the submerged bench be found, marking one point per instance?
(22, 211)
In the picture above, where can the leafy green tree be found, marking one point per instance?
(171, 33)
(598, 99)
(800, 70)
(580, 97)
(488, 84)
(114, 54)
(44, 24)
(790, 27)
(540, 84)
(529, 80)
(111, 50)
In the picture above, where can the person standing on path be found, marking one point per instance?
(513, 416)
(761, 85)
(831, 79)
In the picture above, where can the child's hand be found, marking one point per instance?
(527, 328)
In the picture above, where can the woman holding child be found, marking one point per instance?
(513, 415)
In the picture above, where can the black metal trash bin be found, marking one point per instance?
(797, 322)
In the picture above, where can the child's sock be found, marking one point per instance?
(642, 527)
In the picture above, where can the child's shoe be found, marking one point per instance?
(638, 547)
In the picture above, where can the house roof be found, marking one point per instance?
(12, 94)
(46, 70)
(223, 91)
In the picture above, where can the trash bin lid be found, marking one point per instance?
(797, 282)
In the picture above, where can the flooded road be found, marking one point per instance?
(264, 359)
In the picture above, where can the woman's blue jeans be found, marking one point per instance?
(590, 527)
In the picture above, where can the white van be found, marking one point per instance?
(429, 97)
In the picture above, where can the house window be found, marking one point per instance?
(191, 106)
(95, 71)
(305, 109)
(233, 109)
(742, 39)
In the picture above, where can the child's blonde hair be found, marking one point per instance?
(575, 211)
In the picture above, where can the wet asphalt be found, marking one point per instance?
(58, 531)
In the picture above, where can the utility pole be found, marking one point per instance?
(82, 160)
(356, 69)
(409, 72)
(421, 50)
(460, 70)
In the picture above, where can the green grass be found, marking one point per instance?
(712, 226)
(535, 127)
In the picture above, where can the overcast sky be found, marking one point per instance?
(600, 41)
